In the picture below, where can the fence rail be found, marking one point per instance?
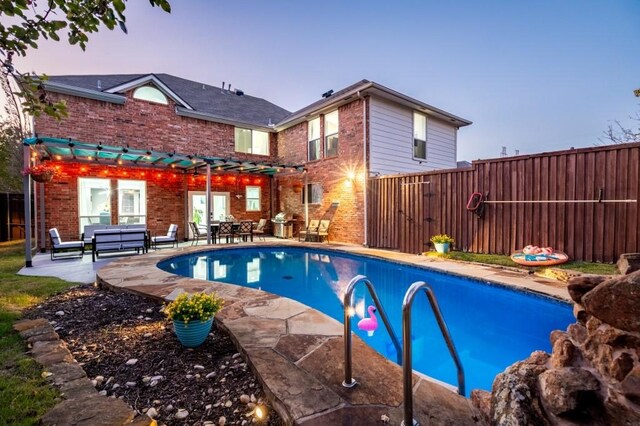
(404, 211)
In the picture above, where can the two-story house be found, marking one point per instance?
(135, 149)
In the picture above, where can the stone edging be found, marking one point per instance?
(83, 405)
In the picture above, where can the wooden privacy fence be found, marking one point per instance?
(404, 211)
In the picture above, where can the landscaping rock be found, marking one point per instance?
(628, 263)
(514, 397)
(182, 414)
(569, 392)
(581, 285)
(631, 385)
(563, 352)
(621, 366)
(616, 302)
(482, 401)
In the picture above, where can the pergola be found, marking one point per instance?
(37, 149)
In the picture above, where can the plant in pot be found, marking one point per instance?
(442, 242)
(192, 316)
(297, 187)
(40, 173)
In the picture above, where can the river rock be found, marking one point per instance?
(579, 286)
(182, 414)
(514, 397)
(152, 413)
(569, 392)
(628, 263)
(616, 302)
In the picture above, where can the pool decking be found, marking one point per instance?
(297, 352)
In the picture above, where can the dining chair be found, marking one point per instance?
(245, 230)
(260, 228)
(225, 229)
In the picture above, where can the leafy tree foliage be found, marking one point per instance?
(24, 22)
(12, 132)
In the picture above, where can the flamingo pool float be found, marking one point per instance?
(369, 324)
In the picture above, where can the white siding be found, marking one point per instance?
(391, 141)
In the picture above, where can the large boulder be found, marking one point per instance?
(570, 392)
(616, 302)
(579, 286)
(628, 263)
(515, 397)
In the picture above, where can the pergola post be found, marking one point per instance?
(26, 189)
(208, 203)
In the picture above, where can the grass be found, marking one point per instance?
(503, 260)
(24, 395)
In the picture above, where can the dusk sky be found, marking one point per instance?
(534, 76)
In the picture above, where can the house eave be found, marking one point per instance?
(372, 88)
(183, 112)
(65, 89)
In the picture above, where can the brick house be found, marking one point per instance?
(135, 148)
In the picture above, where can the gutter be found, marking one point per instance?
(83, 93)
(184, 112)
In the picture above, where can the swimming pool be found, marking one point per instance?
(492, 326)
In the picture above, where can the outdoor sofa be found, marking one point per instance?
(117, 240)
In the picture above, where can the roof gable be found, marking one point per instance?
(144, 80)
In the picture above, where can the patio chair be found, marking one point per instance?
(312, 228)
(58, 246)
(197, 233)
(245, 230)
(170, 238)
(225, 229)
(322, 233)
(260, 228)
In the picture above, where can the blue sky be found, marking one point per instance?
(534, 76)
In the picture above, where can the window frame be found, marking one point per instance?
(163, 101)
(141, 208)
(315, 141)
(328, 135)
(89, 217)
(415, 140)
(247, 198)
(251, 148)
(308, 188)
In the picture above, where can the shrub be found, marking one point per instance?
(442, 239)
(197, 307)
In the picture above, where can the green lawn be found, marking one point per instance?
(502, 260)
(24, 394)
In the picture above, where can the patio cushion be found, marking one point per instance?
(173, 230)
(163, 239)
(55, 236)
(70, 245)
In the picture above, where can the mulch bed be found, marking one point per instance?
(106, 331)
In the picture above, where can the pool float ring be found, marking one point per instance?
(536, 256)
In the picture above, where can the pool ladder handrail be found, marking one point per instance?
(407, 384)
(349, 382)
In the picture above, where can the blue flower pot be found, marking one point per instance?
(442, 247)
(193, 333)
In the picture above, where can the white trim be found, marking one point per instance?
(65, 89)
(149, 79)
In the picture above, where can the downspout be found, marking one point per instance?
(366, 170)
(208, 203)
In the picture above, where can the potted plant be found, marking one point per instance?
(297, 187)
(192, 316)
(442, 242)
(40, 173)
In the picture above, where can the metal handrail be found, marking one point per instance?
(406, 341)
(348, 307)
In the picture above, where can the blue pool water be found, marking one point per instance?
(492, 326)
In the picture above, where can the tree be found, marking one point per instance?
(13, 129)
(33, 20)
(617, 133)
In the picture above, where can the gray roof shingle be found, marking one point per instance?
(201, 97)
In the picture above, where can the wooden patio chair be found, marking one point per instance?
(245, 230)
(225, 229)
(311, 229)
(322, 233)
(259, 231)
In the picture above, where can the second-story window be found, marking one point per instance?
(313, 145)
(419, 136)
(331, 124)
(252, 141)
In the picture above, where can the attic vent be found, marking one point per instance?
(327, 94)
(99, 84)
(239, 92)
